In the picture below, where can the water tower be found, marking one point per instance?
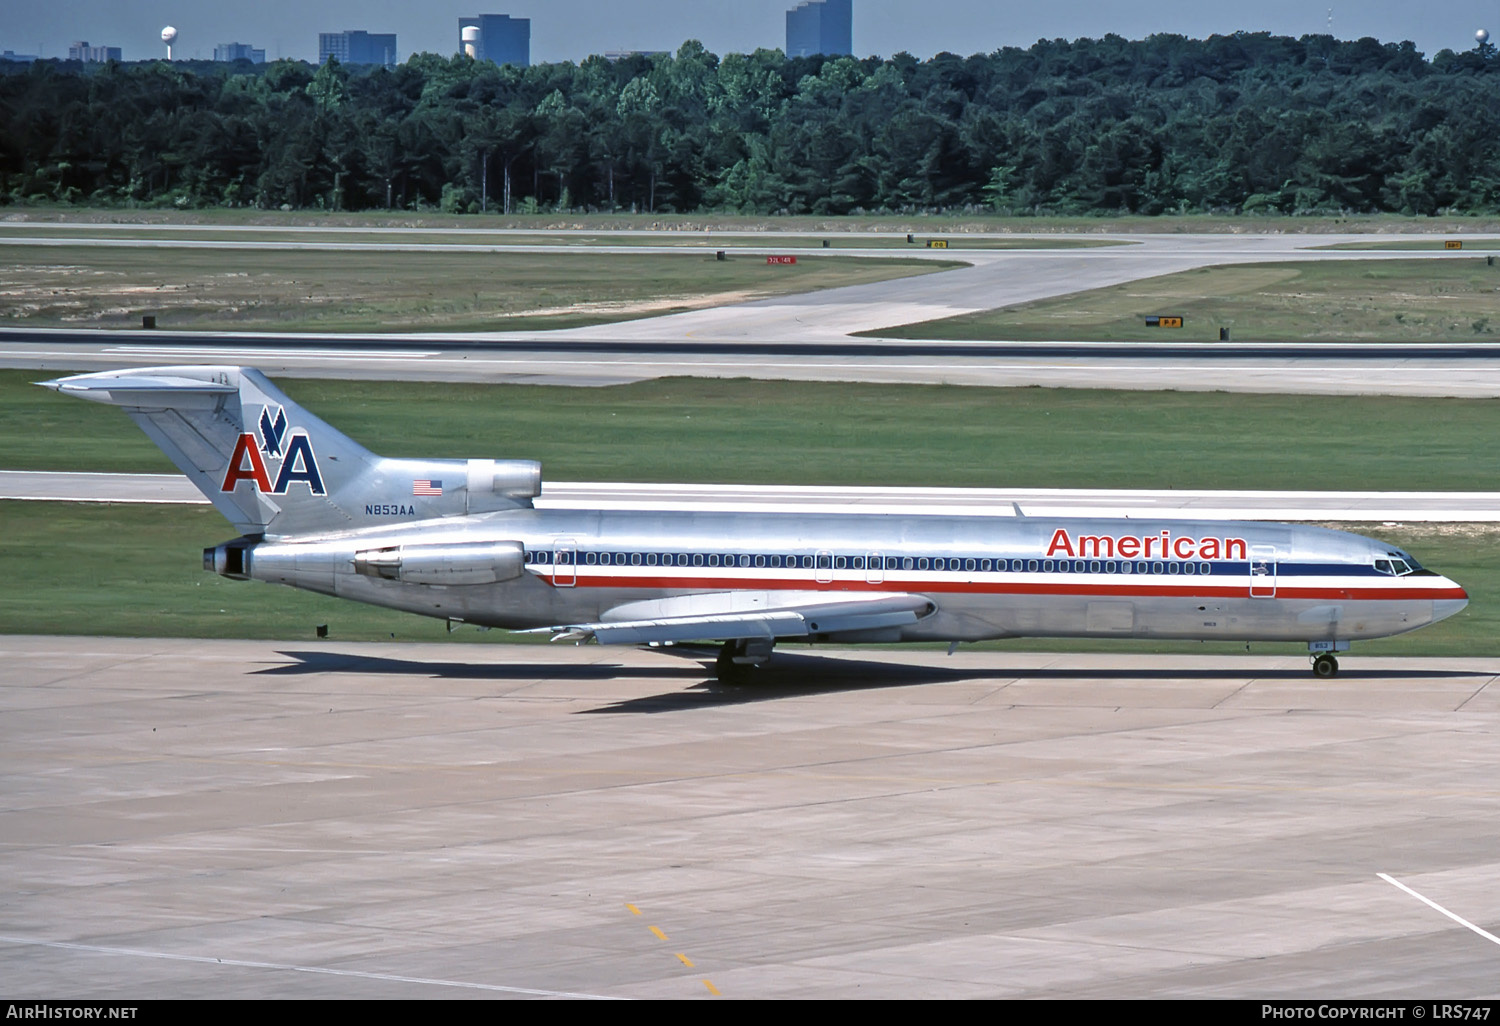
(471, 39)
(168, 36)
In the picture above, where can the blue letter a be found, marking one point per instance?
(299, 449)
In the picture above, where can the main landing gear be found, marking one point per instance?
(739, 658)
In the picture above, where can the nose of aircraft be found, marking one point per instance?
(1445, 607)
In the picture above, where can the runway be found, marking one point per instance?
(1467, 371)
(1330, 507)
(315, 820)
(810, 337)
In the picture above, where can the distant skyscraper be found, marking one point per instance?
(357, 47)
(82, 51)
(820, 26)
(502, 39)
(239, 52)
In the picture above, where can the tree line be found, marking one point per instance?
(1248, 122)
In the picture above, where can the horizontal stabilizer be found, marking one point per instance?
(142, 391)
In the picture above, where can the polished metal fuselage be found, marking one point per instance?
(986, 577)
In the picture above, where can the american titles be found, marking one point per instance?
(1146, 546)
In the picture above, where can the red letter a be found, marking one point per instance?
(237, 472)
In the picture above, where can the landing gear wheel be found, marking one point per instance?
(1325, 666)
(726, 669)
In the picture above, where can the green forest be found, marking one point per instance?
(1248, 122)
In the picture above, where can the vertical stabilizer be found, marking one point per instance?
(266, 463)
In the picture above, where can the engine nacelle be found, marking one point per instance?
(444, 563)
(228, 560)
(496, 484)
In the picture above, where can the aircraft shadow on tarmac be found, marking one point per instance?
(793, 675)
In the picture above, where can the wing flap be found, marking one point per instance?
(806, 614)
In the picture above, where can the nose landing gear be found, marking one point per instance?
(1325, 663)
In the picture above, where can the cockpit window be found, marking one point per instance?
(1399, 564)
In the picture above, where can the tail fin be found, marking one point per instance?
(274, 469)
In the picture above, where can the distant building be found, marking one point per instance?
(502, 39)
(820, 26)
(239, 52)
(357, 47)
(620, 55)
(12, 57)
(82, 51)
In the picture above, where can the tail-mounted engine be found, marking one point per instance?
(439, 563)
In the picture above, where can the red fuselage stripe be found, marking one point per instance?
(1177, 588)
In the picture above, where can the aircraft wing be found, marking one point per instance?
(729, 616)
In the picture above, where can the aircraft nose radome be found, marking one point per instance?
(1446, 607)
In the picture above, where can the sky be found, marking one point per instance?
(569, 30)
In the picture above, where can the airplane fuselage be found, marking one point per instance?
(985, 577)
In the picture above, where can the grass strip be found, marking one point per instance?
(382, 291)
(778, 432)
(1455, 300)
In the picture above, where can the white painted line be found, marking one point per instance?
(231, 350)
(1460, 920)
(556, 365)
(112, 500)
(244, 964)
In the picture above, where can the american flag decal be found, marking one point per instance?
(426, 487)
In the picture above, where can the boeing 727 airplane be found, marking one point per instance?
(461, 540)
